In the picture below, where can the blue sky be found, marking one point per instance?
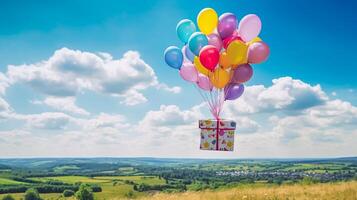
(311, 41)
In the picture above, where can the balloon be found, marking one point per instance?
(187, 53)
(258, 52)
(219, 78)
(207, 20)
(230, 39)
(249, 27)
(215, 40)
(254, 40)
(196, 42)
(173, 57)
(209, 57)
(237, 52)
(188, 72)
(184, 29)
(233, 91)
(227, 25)
(242, 74)
(224, 60)
(200, 67)
(204, 82)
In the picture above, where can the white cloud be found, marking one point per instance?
(4, 106)
(4, 83)
(65, 104)
(132, 98)
(285, 94)
(165, 87)
(306, 124)
(46, 120)
(171, 115)
(68, 71)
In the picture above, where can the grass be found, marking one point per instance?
(150, 180)
(64, 168)
(72, 179)
(342, 190)
(325, 191)
(5, 181)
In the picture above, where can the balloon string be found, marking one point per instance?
(205, 98)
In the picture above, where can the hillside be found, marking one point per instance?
(343, 190)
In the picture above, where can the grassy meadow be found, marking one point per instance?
(191, 179)
(337, 191)
(112, 186)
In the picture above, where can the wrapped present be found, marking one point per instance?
(217, 135)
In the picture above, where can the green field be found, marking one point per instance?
(5, 181)
(112, 186)
(71, 179)
(65, 168)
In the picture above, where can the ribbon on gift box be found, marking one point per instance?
(218, 129)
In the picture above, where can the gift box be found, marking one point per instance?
(217, 135)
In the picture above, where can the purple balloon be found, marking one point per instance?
(242, 74)
(233, 91)
(215, 40)
(258, 52)
(227, 25)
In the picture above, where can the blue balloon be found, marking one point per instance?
(188, 53)
(173, 57)
(196, 42)
(184, 29)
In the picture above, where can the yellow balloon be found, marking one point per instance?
(200, 67)
(207, 20)
(257, 39)
(224, 60)
(219, 78)
(237, 52)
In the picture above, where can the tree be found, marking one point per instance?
(68, 193)
(32, 194)
(8, 197)
(84, 193)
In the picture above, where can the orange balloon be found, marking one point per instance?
(224, 60)
(219, 78)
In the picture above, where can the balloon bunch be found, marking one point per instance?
(217, 58)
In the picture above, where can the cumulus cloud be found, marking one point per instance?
(68, 71)
(4, 83)
(5, 109)
(286, 94)
(171, 115)
(65, 104)
(4, 106)
(46, 120)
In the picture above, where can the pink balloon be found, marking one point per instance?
(242, 74)
(188, 72)
(249, 27)
(215, 40)
(204, 83)
(258, 52)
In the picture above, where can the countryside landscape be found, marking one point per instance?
(159, 178)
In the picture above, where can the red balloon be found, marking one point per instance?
(230, 39)
(209, 57)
